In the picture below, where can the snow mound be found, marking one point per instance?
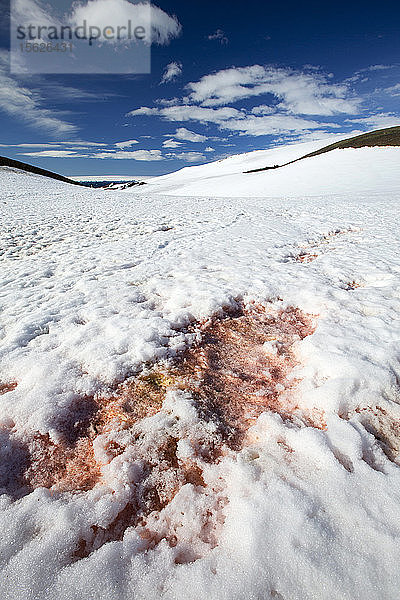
(336, 172)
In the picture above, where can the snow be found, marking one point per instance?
(336, 172)
(97, 284)
(110, 178)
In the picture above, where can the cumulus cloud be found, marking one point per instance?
(294, 102)
(172, 71)
(219, 36)
(263, 109)
(159, 27)
(126, 144)
(21, 102)
(231, 119)
(164, 27)
(187, 112)
(189, 136)
(297, 92)
(171, 144)
(190, 157)
(145, 155)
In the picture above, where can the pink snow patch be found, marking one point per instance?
(240, 368)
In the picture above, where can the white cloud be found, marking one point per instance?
(145, 155)
(220, 36)
(126, 144)
(167, 101)
(190, 113)
(171, 72)
(378, 121)
(373, 68)
(54, 154)
(164, 27)
(189, 136)
(209, 149)
(315, 135)
(26, 12)
(20, 102)
(293, 105)
(231, 119)
(171, 144)
(298, 92)
(379, 67)
(60, 93)
(71, 144)
(50, 145)
(273, 125)
(159, 27)
(83, 143)
(190, 156)
(263, 109)
(394, 90)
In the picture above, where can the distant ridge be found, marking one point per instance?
(381, 137)
(16, 164)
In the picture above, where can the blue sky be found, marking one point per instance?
(233, 77)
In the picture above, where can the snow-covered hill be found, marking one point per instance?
(339, 171)
(10, 163)
(17, 180)
(200, 398)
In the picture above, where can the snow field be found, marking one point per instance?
(95, 285)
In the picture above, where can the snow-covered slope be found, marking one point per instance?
(108, 497)
(12, 178)
(17, 165)
(339, 171)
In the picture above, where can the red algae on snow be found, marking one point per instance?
(240, 367)
(60, 466)
(7, 387)
(305, 257)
